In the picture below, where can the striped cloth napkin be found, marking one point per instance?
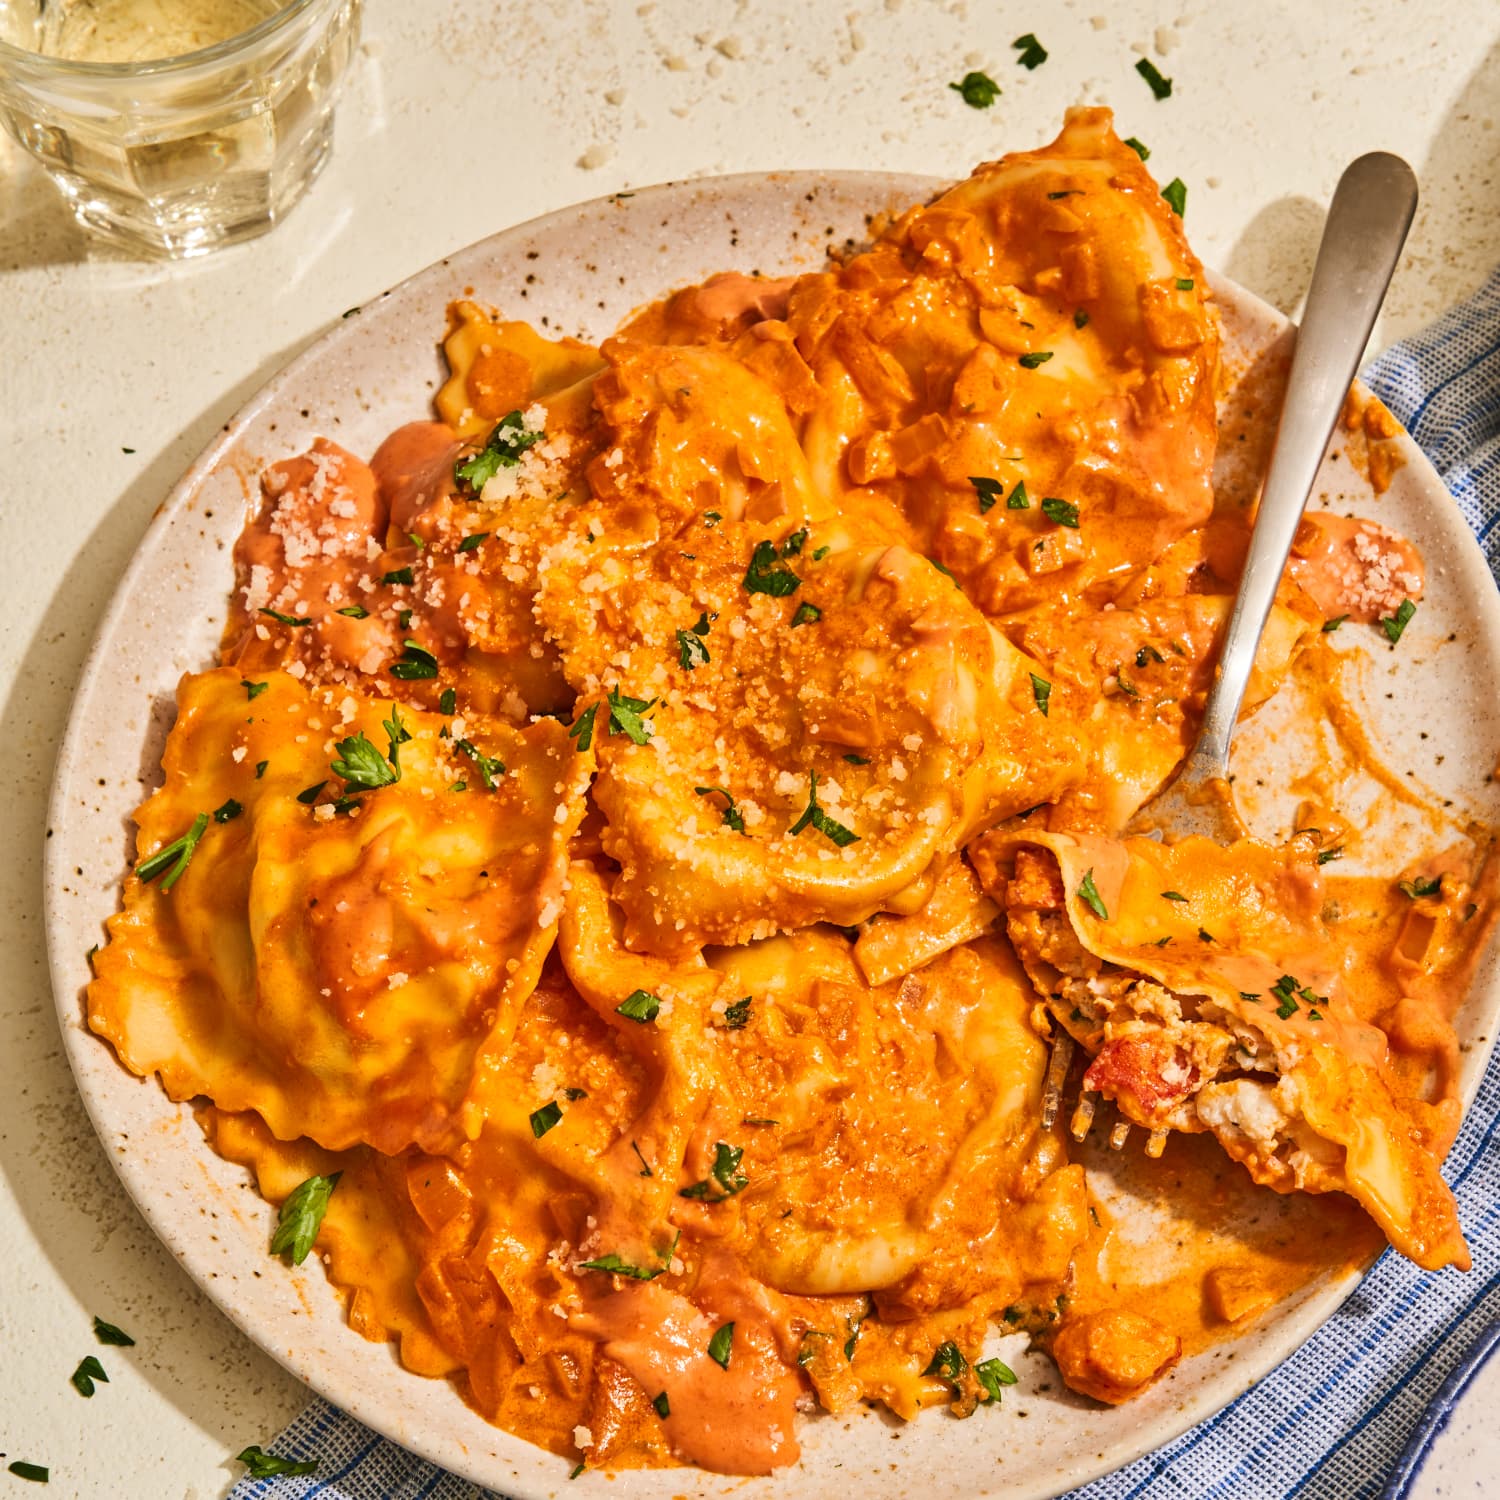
(1332, 1421)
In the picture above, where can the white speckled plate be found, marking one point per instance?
(578, 271)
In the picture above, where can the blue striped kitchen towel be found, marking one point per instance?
(1332, 1421)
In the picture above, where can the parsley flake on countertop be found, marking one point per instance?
(1161, 87)
(1033, 54)
(37, 1473)
(89, 1370)
(978, 90)
(302, 1217)
(107, 1333)
(828, 827)
(1395, 625)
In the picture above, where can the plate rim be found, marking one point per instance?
(1277, 1342)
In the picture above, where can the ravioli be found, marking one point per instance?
(1206, 987)
(347, 964)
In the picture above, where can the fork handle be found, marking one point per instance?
(1367, 222)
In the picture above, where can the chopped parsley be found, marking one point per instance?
(473, 540)
(1148, 654)
(229, 811)
(856, 760)
(355, 612)
(1184, 283)
(543, 1119)
(1041, 690)
(711, 518)
(1175, 193)
(806, 614)
(263, 1465)
(362, 766)
(1064, 512)
(615, 1266)
(1395, 625)
(1417, 890)
(1173, 896)
(309, 794)
(447, 701)
(582, 729)
(691, 651)
(725, 1172)
(662, 1406)
(1033, 54)
(639, 1005)
(794, 543)
(1019, 499)
(768, 574)
(397, 575)
(1161, 87)
(625, 717)
(1329, 626)
(172, 859)
(23, 1470)
(819, 553)
(978, 90)
(721, 1345)
(645, 1165)
(1089, 893)
(510, 439)
(1080, 318)
(948, 1362)
(488, 766)
(89, 1370)
(1288, 989)
(732, 816)
(302, 1217)
(1141, 150)
(737, 1016)
(253, 690)
(107, 1333)
(417, 663)
(260, 768)
(992, 1374)
(828, 827)
(1205, 936)
(988, 490)
(945, 571)
(1035, 358)
(1327, 856)
(287, 620)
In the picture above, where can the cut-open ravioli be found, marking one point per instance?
(1207, 989)
(365, 904)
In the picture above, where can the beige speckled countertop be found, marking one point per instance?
(462, 117)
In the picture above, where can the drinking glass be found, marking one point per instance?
(178, 155)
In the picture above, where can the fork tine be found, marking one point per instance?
(1083, 1117)
(1057, 1073)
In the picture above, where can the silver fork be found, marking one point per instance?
(1367, 223)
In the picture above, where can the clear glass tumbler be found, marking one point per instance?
(179, 155)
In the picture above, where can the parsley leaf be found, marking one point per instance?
(768, 574)
(828, 827)
(721, 1345)
(23, 1470)
(662, 1406)
(1175, 193)
(1394, 625)
(509, 440)
(1416, 890)
(1064, 512)
(107, 1333)
(543, 1119)
(639, 1005)
(1041, 690)
(230, 810)
(582, 729)
(287, 619)
(1329, 626)
(948, 1362)
(1173, 896)
(806, 614)
(447, 701)
(978, 90)
(1019, 500)
(260, 768)
(362, 766)
(691, 651)
(489, 767)
(733, 818)
(355, 612)
(1035, 358)
(1142, 151)
(1033, 54)
(1327, 856)
(988, 490)
(253, 690)
(263, 1465)
(625, 717)
(725, 1172)
(992, 1374)
(417, 663)
(398, 575)
(1089, 893)
(302, 1217)
(737, 1016)
(473, 540)
(1161, 87)
(1080, 318)
(175, 857)
(613, 1264)
(89, 1370)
